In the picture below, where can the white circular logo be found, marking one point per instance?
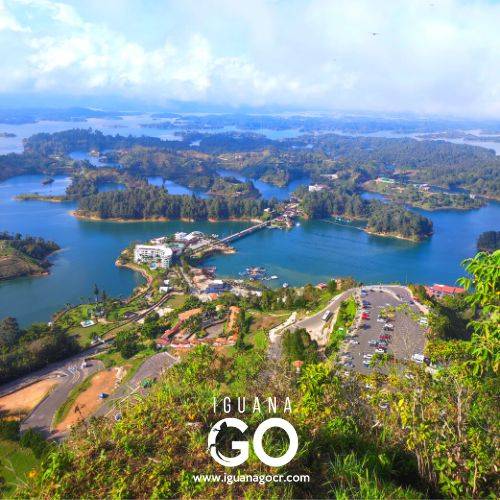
(242, 446)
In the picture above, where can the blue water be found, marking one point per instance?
(311, 252)
(318, 250)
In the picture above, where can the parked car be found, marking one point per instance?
(381, 350)
(103, 395)
(372, 342)
(385, 336)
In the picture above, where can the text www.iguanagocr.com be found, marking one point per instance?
(249, 478)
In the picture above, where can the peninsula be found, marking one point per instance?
(24, 256)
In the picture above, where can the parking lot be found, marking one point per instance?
(400, 333)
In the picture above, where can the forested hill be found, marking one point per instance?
(436, 162)
(153, 202)
(24, 256)
(380, 218)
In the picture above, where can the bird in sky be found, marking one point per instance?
(374, 33)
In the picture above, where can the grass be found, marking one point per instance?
(63, 410)
(15, 463)
(345, 318)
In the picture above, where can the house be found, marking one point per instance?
(160, 255)
(180, 236)
(321, 286)
(440, 291)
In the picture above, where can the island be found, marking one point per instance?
(24, 255)
(7, 134)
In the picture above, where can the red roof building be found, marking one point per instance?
(443, 290)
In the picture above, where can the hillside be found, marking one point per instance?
(24, 256)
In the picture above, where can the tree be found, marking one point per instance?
(126, 344)
(96, 293)
(9, 332)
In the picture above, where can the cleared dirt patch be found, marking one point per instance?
(88, 401)
(24, 400)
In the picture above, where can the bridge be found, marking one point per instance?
(247, 231)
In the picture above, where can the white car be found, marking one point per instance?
(380, 350)
(380, 320)
(368, 356)
(354, 342)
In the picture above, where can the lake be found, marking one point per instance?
(311, 252)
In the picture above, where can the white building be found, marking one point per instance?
(317, 187)
(153, 254)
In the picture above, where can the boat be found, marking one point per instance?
(47, 180)
(285, 285)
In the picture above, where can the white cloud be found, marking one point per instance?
(436, 57)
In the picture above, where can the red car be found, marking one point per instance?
(385, 337)
(365, 316)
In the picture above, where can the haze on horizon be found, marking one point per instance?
(426, 57)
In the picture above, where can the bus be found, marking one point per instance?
(327, 316)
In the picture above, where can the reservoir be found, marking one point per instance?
(308, 253)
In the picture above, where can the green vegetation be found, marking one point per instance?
(418, 436)
(232, 187)
(24, 256)
(16, 464)
(345, 318)
(298, 346)
(488, 241)
(155, 203)
(63, 410)
(407, 194)
(25, 350)
(380, 218)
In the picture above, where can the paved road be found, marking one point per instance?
(51, 370)
(407, 338)
(315, 324)
(71, 374)
(152, 368)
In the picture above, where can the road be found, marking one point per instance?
(51, 370)
(313, 324)
(71, 374)
(407, 338)
(152, 368)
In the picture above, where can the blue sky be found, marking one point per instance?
(435, 56)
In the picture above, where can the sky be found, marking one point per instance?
(423, 56)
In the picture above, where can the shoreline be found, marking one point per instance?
(96, 218)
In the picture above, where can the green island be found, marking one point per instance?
(24, 255)
(421, 196)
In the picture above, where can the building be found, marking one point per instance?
(216, 286)
(443, 290)
(385, 180)
(313, 188)
(161, 255)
